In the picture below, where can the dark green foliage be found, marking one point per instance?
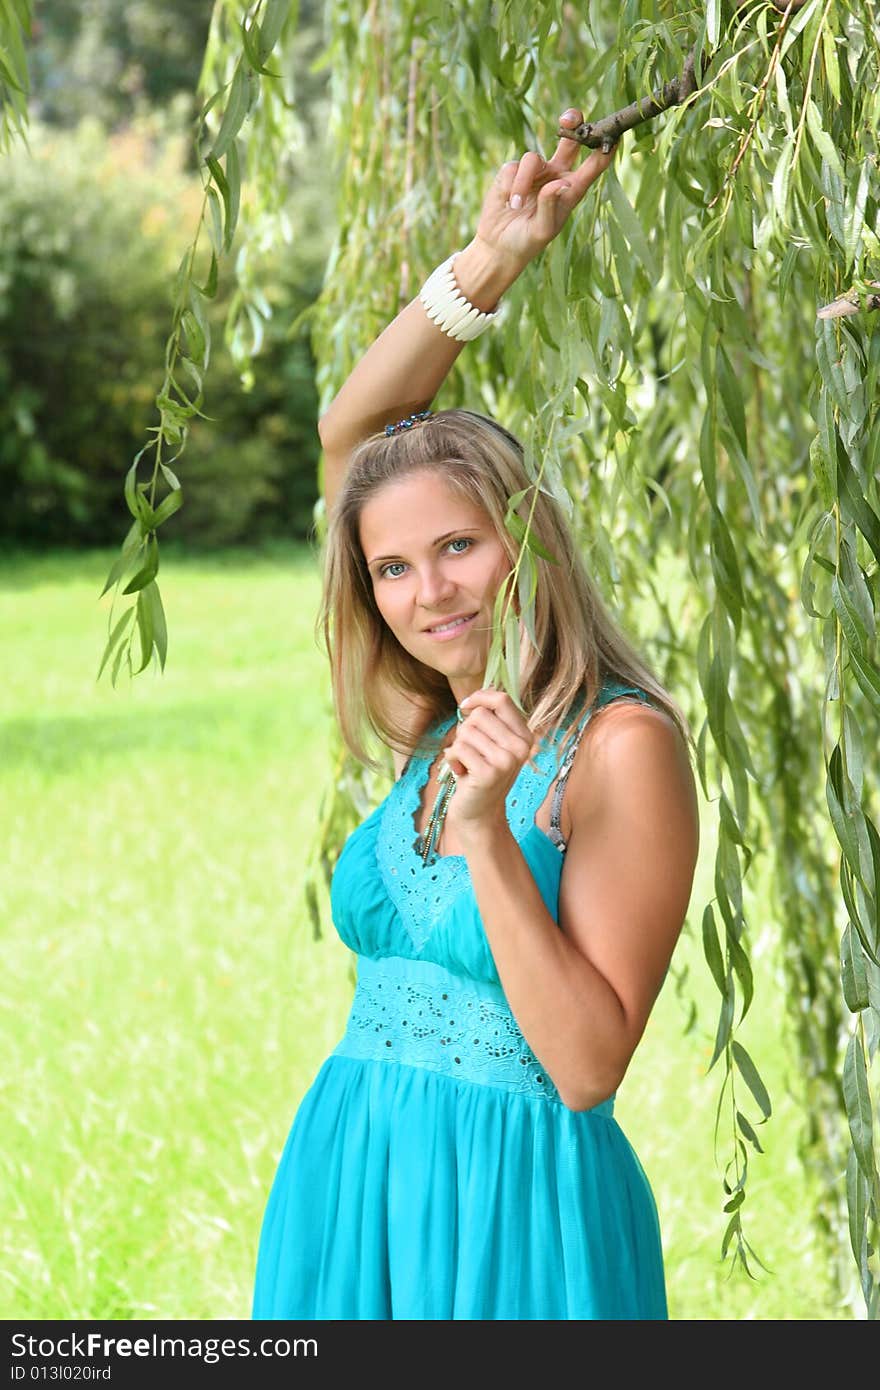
(90, 231)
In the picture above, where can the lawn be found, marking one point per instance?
(165, 1006)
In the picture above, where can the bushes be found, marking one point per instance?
(91, 230)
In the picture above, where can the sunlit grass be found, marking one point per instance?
(164, 1005)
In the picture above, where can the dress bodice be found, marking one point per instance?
(386, 902)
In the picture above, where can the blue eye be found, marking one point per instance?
(457, 540)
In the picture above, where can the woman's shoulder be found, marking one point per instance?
(626, 705)
(630, 738)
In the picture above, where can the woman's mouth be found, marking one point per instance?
(445, 631)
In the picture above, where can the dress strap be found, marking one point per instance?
(612, 690)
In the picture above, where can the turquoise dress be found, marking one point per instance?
(432, 1171)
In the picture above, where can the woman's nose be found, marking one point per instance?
(434, 587)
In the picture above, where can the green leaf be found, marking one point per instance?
(130, 546)
(629, 223)
(725, 1023)
(274, 18)
(130, 486)
(857, 1099)
(713, 22)
(511, 648)
(234, 114)
(731, 395)
(854, 503)
(149, 571)
(849, 617)
(829, 365)
(145, 630)
(782, 181)
(725, 566)
(857, 1202)
(742, 966)
(747, 1130)
(749, 1073)
(527, 587)
(733, 1226)
(209, 289)
(233, 179)
(517, 528)
(215, 226)
(230, 198)
(832, 67)
(853, 974)
(712, 949)
(868, 678)
(152, 598)
(822, 140)
(823, 472)
(709, 452)
(114, 637)
(789, 261)
(195, 338)
(199, 332)
(846, 814)
(168, 506)
(250, 37)
(117, 661)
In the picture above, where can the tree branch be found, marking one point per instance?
(607, 131)
(849, 303)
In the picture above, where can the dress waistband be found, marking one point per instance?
(422, 1015)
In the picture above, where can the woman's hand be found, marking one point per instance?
(531, 198)
(492, 743)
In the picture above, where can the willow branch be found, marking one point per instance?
(606, 132)
(848, 304)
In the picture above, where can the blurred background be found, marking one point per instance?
(93, 222)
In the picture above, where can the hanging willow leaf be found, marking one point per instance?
(153, 603)
(855, 505)
(234, 113)
(852, 971)
(115, 637)
(748, 1131)
(858, 1108)
(149, 570)
(272, 22)
(749, 1073)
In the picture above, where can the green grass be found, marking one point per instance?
(164, 1005)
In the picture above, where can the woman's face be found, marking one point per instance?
(432, 556)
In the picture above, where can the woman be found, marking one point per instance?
(456, 1155)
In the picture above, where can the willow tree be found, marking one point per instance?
(693, 368)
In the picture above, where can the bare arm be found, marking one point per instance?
(403, 370)
(409, 361)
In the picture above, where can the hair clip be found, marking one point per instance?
(407, 423)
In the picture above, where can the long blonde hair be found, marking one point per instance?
(579, 642)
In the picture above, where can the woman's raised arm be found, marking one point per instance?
(524, 209)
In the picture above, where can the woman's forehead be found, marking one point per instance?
(418, 502)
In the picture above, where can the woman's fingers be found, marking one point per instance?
(530, 166)
(555, 178)
(580, 178)
(567, 150)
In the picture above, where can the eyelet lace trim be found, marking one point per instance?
(423, 893)
(418, 1014)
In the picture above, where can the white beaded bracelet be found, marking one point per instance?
(447, 307)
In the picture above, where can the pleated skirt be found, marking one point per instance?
(405, 1193)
